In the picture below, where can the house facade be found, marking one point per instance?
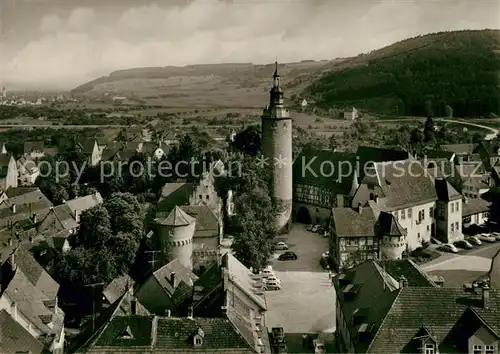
(8, 172)
(28, 171)
(475, 212)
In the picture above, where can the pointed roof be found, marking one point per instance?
(275, 75)
(389, 225)
(445, 191)
(494, 272)
(178, 217)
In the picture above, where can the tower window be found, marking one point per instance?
(429, 349)
(200, 196)
(208, 197)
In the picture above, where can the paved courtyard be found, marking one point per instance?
(306, 304)
(457, 269)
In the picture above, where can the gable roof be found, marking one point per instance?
(117, 287)
(34, 272)
(308, 167)
(439, 154)
(177, 217)
(173, 194)
(58, 219)
(80, 204)
(473, 206)
(439, 309)
(14, 338)
(350, 222)
(171, 334)
(205, 218)
(401, 184)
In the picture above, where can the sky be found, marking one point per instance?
(60, 44)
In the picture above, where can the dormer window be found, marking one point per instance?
(127, 333)
(489, 349)
(430, 349)
(198, 341)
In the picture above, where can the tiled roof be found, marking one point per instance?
(350, 222)
(206, 220)
(491, 147)
(57, 219)
(86, 145)
(26, 195)
(439, 310)
(81, 204)
(182, 274)
(177, 217)
(164, 334)
(372, 300)
(445, 191)
(208, 282)
(401, 184)
(459, 148)
(117, 288)
(474, 206)
(174, 194)
(14, 338)
(369, 154)
(407, 268)
(29, 300)
(28, 164)
(308, 167)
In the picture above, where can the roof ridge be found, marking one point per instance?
(424, 273)
(384, 319)
(483, 321)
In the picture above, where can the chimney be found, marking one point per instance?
(403, 283)
(359, 209)
(133, 307)
(167, 313)
(13, 208)
(486, 296)
(34, 219)
(172, 279)
(190, 312)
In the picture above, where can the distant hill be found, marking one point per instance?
(236, 85)
(418, 76)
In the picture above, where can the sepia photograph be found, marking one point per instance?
(249, 176)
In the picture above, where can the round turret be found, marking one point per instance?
(393, 247)
(178, 228)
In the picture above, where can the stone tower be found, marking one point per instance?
(178, 228)
(276, 145)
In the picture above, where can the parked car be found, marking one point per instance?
(448, 248)
(315, 228)
(496, 235)
(281, 246)
(272, 285)
(320, 230)
(273, 278)
(436, 241)
(287, 255)
(310, 227)
(466, 245)
(267, 272)
(474, 240)
(486, 238)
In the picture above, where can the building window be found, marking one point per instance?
(457, 207)
(452, 207)
(452, 227)
(431, 213)
(197, 341)
(207, 197)
(477, 349)
(456, 226)
(489, 349)
(486, 214)
(403, 214)
(200, 196)
(409, 213)
(428, 228)
(429, 349)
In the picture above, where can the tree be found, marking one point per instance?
(123, 247)
(429, 136)
(248, 141)
(124, 213)
(95, 228)
(332, 142)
